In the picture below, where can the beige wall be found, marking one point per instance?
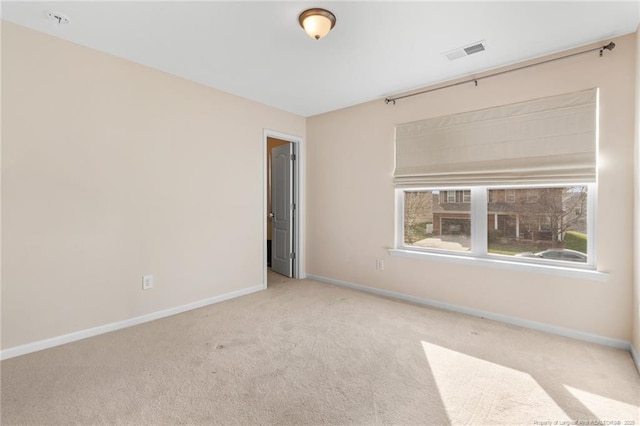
(111, 170)
(350, 219)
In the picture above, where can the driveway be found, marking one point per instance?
(446, 242)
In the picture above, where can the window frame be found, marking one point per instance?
(479, 229)
(446, 196)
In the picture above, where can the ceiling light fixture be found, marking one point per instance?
(317, 22)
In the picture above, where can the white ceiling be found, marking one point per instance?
(258, 51)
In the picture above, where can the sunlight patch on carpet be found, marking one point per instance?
(607, 409)
(476, 391)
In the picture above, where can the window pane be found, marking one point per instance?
(542, 223)
(437, 219)
(451, 196)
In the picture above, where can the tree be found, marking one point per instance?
(418, 208)
(563, 208)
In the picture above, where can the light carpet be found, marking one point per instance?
(308, 353)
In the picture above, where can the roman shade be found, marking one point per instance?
(547, 140)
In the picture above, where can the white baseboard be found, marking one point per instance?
(101, 329)
(547, 328)
(636, 358)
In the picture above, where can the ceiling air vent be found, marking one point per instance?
(474, 49)
(464, 51)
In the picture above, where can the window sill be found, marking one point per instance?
(562, 271)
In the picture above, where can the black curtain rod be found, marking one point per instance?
(609, 46)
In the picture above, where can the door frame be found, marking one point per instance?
(298, 197)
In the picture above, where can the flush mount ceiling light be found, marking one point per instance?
(317, 22)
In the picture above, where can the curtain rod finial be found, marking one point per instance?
(609, 46)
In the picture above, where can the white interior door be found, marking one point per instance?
(282, 209)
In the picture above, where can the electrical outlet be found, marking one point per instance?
(380, 264)
(147, 282)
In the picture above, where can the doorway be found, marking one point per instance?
(282, 206)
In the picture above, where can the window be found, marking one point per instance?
(511, 182)
(548, 231)
(432, 224)
(451, 196)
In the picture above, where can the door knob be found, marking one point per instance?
(271, 215)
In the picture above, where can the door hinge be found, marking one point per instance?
(293, 206)
(293, 157)
(292, 255)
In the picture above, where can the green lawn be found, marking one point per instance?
(572, 240)
(576, 241)
(513, 247)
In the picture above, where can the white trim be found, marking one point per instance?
(478, 216)
(106, 328)
(547, 328)
(635, 357)
(399, 233)
(510, 265)
(299, 197)
(592, 214)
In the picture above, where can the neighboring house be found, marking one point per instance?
(531, 214)
(451, 212)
